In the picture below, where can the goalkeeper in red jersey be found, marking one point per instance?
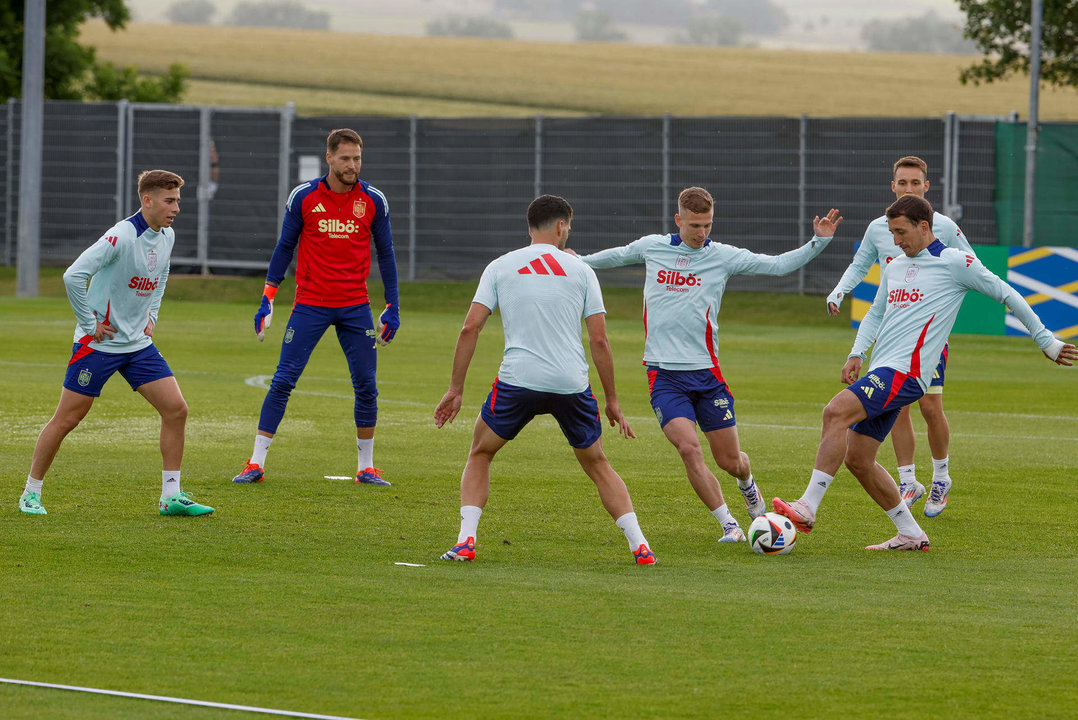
(333, 221)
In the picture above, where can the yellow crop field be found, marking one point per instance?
(325, 72)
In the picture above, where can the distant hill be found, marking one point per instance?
(327, 72)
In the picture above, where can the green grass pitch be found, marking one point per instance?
(288, 596)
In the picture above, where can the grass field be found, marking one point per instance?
(385, 75)
(288, 596)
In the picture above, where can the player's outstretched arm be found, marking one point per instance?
(449, 405)
(630, 254)
(740, 261)
(972, 274)
(603, 358)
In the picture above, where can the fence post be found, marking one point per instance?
(665, 170)
(121, 135)
(284, 159)
(412, 147)
(129, 161)
(948, 189)
(31, 155)
(956, 207)
(203, 194)
(9, 183)
(538, 156)
(802, 192)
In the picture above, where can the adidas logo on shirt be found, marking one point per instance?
(318, 208)
(550, 268)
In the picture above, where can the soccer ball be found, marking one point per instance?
(772, 534)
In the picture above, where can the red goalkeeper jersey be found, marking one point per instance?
(333, 232)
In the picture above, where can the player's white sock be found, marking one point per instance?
(903, 519)
(469, 521)
(816, 489)
(366, 453)
(939, 469)
(258, 455)
(906, 474)
(631, 527)
(170, 483)
(33, 484)
(747, 482)
(722, 514)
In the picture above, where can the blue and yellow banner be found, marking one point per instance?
(1047, 277)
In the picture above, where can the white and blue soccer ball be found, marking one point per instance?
(772, 534)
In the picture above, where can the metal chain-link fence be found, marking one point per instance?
(458, 188)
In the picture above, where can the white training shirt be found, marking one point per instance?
(683, 291)
(917, 303)
(127, 269)
(879, 246)
(543, 293)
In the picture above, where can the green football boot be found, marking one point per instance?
(30, 503)
(182, 504)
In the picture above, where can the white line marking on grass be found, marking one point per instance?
(181, 701)
(263, 382)
(409, 564)
(339, 477)
(953, 434)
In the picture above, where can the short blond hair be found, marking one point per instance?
(911, 161)
(695, 199)
(150, 180)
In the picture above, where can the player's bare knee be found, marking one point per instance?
(858, 464)
(178, 413)
(689, 449)
(65, 423)
(730, 464)
(933, 414)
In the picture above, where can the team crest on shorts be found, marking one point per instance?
(84, 377)
(151, 261)
(911, 274)
(288, 334)
(681, 262)
(359, 208)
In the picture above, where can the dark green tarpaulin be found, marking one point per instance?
(1056, 209)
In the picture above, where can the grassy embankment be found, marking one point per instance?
(341, 73)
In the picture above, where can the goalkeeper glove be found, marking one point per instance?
(388, 323)
(265, 312)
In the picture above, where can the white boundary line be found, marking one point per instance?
(263, 382)
(181, 701)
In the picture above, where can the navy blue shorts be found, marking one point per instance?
(883, 392)
(936, 386)
(89, 370)
(509, 408)
(699, 395)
